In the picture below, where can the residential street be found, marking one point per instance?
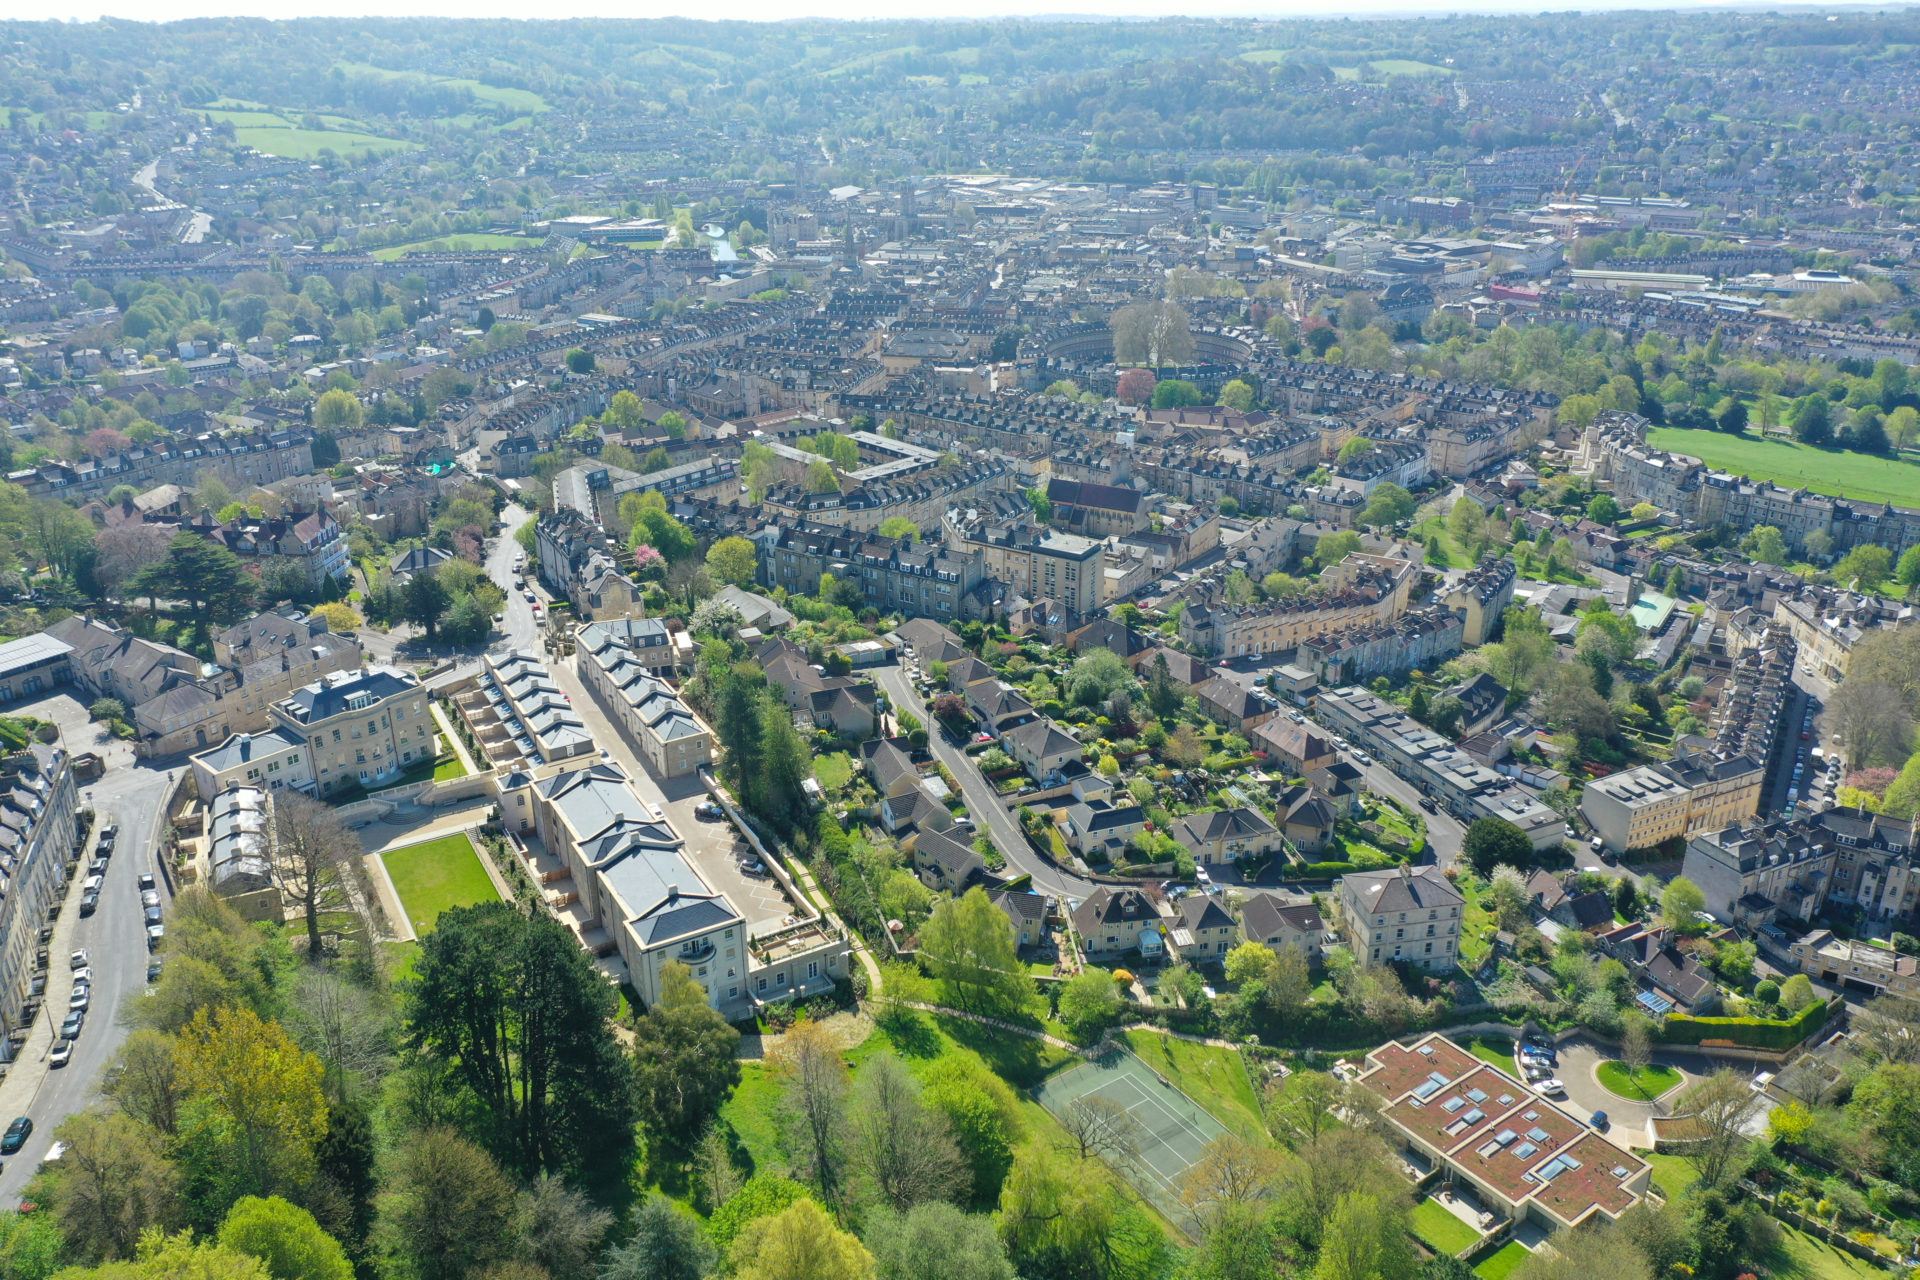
(133, 796)
(981, 800)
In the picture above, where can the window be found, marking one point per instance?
(813, 968)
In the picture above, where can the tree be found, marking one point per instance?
(1603, 509)
(800, 1243)
(733, 560)
(1365, 1239)
(516, 1007)
(1864, 568)
(1636, 1043)
(1811, 421)
(1764, 543)
(1096, 676)
(763, 1196)
(579, 360)
(674, 423)
(1089, 1002)
(1796, 993)
(1872, 717)
(813, 1104)
(338, 410)
(114, 1182)
(821, 477)
(983, 1114)
(1389, 504)
(286, 1238)
(624, 411)
(684, 1063)
(1164, 696)
(1135, 386)
(145, 1081)
(935, 1241)
(1335, 547)
(178, 1257)
(968, 945)
(121, 551)
(901, 1151)
(1732, 416)
(1231, 1171)
(1790, 1123)
(447, 1212)
(1056, 1221)
(207, 576)
(1680, 902)
(1721, 1106)
(1152, 333)
(31, 1246)
(254, 1108)
(314, 858)
(559, 1229)
(426, 602)
(667, 1244)
(900, 529)
(1176, 393)
(1237, 395)
(1494, 842)
(1908, 572)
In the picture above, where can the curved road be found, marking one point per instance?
(982, 801)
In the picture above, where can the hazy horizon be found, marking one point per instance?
(874, 10)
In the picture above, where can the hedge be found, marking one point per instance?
(1322, 870)
(1745, 1033)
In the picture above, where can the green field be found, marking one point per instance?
(1440, 1230)
(833, 771)
(1395, 67)
(1641, 1086)
(1502, 1262)
(1215, 1078)
(308, 144)
(515, 101)
(470, 242)
(1860, 476)
(438, 875)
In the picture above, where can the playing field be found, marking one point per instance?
(1172, 1130)
(1862, 476)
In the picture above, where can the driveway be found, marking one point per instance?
(1631, 1125)
(982, 801)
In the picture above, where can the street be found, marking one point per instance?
(132, 796)
(982, 802)
(520, 633)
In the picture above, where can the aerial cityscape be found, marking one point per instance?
(1014, 648)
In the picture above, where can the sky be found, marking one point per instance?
(777, 10)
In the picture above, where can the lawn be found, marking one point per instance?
(437, 875)
(1215, 1078)
(450, 768)
(474, 242)
(1861, 476)
(1672, 1174)
(1440, 1230)
(1802, 1257)
(307, 144)
(1645, 1084)
(1502, 1262)
(833, 771)
(1495, 1049)
(515, 101)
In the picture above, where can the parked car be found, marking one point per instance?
(1551, 1087)
(154, 966)
(80, 998)
(16, 1135)
(98, 867)
(83, 975)
(155, 932)
(71, 1027)
(93, 883)
(151, 915)
(1760, 1082)
(752, 867)
(89, 903)
(1599, 1120)
(78, 959)
(61, 1055)
(708, 811)
(150, 898)
(146, 880)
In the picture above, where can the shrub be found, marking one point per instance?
(1749, 1033)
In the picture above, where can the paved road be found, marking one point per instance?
(520, 633)
(1789, 752)
(982, 801)
(132, 796)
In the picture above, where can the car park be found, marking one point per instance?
(16, 1135)
(61, 1053)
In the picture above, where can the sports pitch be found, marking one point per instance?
(1174, 1131)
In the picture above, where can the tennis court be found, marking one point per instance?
(1172, 1130)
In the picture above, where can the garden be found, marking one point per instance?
(437, 875)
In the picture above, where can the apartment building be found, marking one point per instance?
(1642, 807)
(1037, 562)
(1431, 763)
(1405, 915)
(38, 831)
(1757, 872)
(518, 714)
(1524, 1160)
(362, 729)
(1360, 591)
(919, 580)
(1828, 624)
(576, 559)
(270, 760)
(613, 659)
(1482, 597)
(637, 893)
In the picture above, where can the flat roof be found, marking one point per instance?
(31, 651)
